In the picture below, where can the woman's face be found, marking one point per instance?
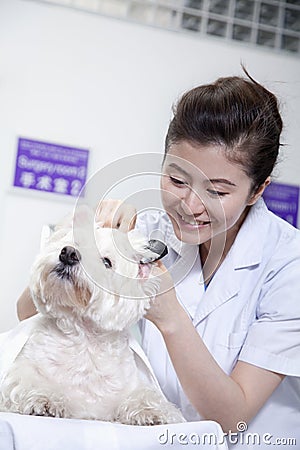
(203, 193)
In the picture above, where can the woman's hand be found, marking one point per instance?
(165, 311)
(116, 214)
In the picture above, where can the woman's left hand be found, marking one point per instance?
(165, 311)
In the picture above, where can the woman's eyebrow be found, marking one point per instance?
(222, 181)
(175, 166)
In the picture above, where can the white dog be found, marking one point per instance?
(77, 362)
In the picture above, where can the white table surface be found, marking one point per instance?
(20, 432)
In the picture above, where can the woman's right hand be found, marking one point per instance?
(116, 214)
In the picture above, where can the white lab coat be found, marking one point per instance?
(249, 312)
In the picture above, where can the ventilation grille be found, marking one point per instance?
(268, 23)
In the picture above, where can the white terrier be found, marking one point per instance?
(77, 362)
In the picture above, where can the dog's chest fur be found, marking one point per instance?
(87, 368)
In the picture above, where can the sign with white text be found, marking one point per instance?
(48, 167)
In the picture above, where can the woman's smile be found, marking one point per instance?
(192, 223)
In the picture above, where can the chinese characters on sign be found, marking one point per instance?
(283, 200)
(50, 167)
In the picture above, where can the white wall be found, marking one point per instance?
(79, 79)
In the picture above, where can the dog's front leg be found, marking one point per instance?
(32, 401)
(147, 406)
(23, 391)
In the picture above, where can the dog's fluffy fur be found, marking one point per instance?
(77, 362)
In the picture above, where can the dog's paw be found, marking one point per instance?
(43, 406)
(150, 416)
(147, 407)
(147, 418)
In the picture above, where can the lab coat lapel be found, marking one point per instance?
(222, 288)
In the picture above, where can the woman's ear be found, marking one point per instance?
(259, 192)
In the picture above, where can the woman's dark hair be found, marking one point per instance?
(236, 113)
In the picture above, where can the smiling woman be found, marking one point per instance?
(224, 345)
(206, 194)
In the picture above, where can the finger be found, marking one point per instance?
(161, 265)
(123, 217)
(157, 271)
(105, 213)
(128, 221)
(116, 214)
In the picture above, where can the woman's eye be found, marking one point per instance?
(107, 262)
(216, 193)
(177, 181)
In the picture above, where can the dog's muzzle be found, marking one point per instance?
(69, 256)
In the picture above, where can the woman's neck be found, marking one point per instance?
(213, 252)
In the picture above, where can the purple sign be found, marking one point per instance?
(283, 200)
(47, 167)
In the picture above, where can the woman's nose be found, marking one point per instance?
(192, 203)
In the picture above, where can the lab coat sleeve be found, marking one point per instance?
(12, 342)
(273, 340)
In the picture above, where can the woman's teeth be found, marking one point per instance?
(194, 222)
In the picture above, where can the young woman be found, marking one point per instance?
(223, 335)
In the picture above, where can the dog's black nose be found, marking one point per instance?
(69, 256)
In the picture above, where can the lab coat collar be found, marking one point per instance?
(247, 249)
(248, 245)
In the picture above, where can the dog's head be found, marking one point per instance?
(104, 281)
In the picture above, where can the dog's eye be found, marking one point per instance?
(107, 263)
